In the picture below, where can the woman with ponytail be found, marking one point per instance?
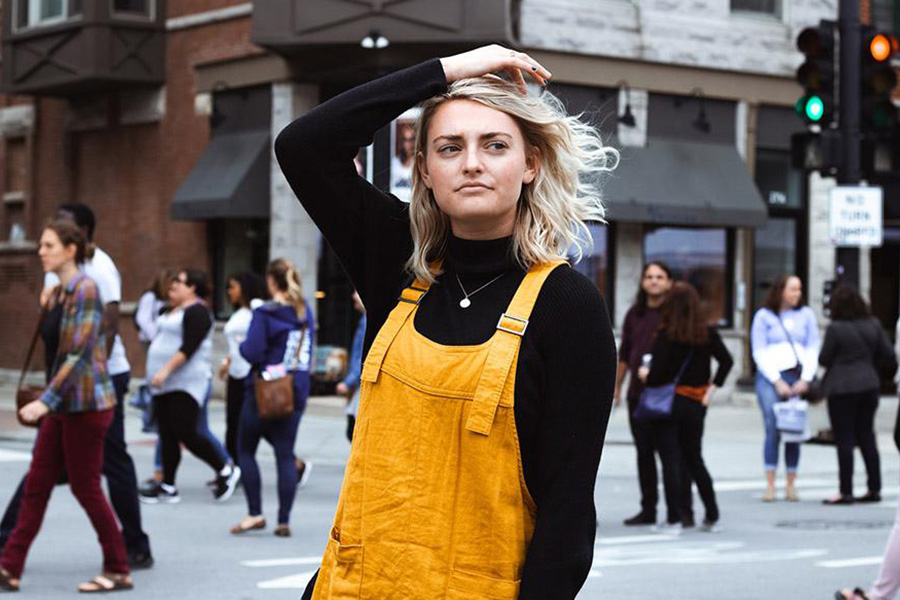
(279, 342)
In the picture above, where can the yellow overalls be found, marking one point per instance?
(433, 503)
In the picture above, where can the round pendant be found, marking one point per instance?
(465, 303)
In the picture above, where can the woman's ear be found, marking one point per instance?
(422, 166)
(532, 165)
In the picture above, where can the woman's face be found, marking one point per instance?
(475, 163)
(179, 290)
(53, 254)
(234, 293)
(793, 292)
(655, 282)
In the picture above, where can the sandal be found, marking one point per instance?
(769, 496)
(838, 500)
(8, 582)
(857, 594)
(249, 524)
(282, 530)
(108, 582)
(791, 495)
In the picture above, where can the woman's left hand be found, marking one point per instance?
(800, 387)
(34, 411)
(707, 397)
(491, 59)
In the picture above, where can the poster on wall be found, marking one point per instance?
(403, 153)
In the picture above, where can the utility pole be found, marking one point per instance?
(847, 259)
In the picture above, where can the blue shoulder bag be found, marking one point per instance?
(656, 402)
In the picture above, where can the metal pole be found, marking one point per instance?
(849, 81)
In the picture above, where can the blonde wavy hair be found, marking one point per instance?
(552, 209)
(287, 279)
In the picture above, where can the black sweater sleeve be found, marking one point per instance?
(197, 322)
(577, 392)
(722, 356)
(367, 228)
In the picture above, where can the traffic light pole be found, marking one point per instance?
(847, 259)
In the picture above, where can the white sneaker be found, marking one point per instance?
(667, 528)
(226, 484)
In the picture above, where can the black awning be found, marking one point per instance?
(684, 183)
(231, 179)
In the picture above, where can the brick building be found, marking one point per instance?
(168, 136)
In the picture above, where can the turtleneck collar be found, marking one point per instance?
(480, 257)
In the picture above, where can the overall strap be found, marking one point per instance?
(503, 350)
(408, 302)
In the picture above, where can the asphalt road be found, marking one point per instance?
(784, 550)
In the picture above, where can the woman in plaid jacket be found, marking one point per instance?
(75, 410)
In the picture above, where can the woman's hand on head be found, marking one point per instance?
(493, 59)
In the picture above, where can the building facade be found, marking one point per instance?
(167, 133)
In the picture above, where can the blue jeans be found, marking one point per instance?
(281, 434)
(203, 430)
(767, 398)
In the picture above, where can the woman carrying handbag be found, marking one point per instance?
(685, 342)
(279, 347)
(855, 347)
(76, 409)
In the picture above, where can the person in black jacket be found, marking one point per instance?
(686, 343)
(855, 346)
(481, 170)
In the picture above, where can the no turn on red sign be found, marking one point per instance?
(854, 216)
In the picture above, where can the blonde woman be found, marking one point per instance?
(486, 387)
(279, 342)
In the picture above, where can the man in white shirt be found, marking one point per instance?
(117, 463)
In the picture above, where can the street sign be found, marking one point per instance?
(854, 216)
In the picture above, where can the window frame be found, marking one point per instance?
(727, 321)
(66, 17)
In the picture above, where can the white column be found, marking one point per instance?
(821, 252)
(629, 263)
(292, 233)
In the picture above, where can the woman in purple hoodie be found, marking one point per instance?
(279, 341)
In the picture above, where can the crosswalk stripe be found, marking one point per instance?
(13, 456)
(636, 539)
(291, 582)
(282, 562)
(864, 561)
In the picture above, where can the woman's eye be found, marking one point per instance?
(448, 149)
(496, 146)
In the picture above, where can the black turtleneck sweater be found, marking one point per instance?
(566, 367)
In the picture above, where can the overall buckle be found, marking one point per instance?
(516, 327)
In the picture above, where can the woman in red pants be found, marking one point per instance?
(76, 409)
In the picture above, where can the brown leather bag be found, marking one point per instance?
(25, 394)
(275, 397)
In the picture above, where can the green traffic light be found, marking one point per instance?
(814, 108)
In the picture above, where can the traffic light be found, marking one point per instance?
(816, 75)
(878, 80)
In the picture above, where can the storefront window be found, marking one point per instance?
(699, 257)
(775, 254)
(779, 183)
(594, 263)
